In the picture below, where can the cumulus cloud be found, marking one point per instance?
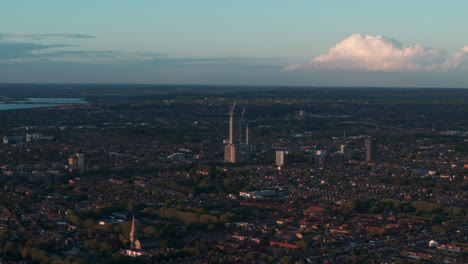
(380, 54)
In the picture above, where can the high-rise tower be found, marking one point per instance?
(344, 149)
(80, 163)
(248, 154)
(77, 161)
(371, 149)
(230, 151)
(281, 158)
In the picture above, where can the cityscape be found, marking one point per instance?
(243, 175)
(233, 132)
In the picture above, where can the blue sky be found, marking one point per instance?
(332, 43)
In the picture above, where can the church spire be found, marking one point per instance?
(133, 236)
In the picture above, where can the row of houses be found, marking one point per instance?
(12, 139)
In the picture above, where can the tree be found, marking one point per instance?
(285, 260)
(426, 206)
(211, 228)
(277, 252)
(168, 231)
(125, 228)
(250, 256)
(39, 255)
(264, 257)
(30, 243)
(88, 223)
(372, 234)
(90, 244)
(4, 236)
(438, 229)
(26, 253)
(107, 227)
(11, 249)
(73, 218)
(205, 219)
(303, 245)
(150, 232)
(164, 243)
(227, 217)
(118, 258)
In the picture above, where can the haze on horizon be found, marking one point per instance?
(312, 43)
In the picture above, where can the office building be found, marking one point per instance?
(281, 158)
(371, 149)
(344, 149)
(77, 162)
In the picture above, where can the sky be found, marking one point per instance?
(417, 43)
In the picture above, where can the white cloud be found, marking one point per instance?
(43, 36)
(377, 53)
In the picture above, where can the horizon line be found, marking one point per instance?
(231, 85)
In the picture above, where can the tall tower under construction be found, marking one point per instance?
(230, 150)
(248, 154)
